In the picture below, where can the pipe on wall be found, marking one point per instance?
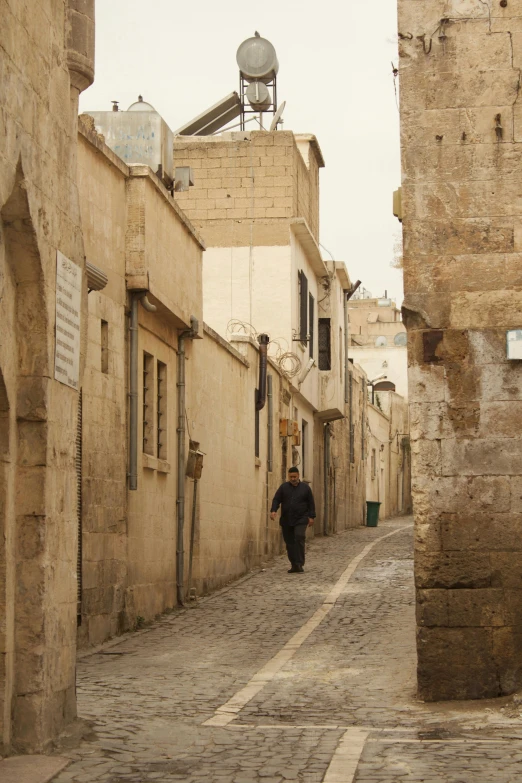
(326, 468)
(189, 334)
(346, 343)
(270, 450)
(136, 298)
(263, 340)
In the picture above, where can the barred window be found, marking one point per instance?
(161, 411)
(104, 346)
(148, 404)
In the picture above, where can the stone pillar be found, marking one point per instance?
(80, 43)
(461, 131)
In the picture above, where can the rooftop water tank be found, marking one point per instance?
(257, 60)
(139, 135)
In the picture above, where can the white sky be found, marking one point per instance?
(334, 73)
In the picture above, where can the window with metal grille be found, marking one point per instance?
(104, 347)
(325, 350)
(340, 353)
(303, 307)
(311, 330)
(148, 404)
(161, 411)
(374, 464)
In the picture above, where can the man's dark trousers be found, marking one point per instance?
(295, 537)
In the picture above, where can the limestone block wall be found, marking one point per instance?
(234, 531)
(461, 160)
(161, 254)
(102, 187)
(46, 59)
(247, 176)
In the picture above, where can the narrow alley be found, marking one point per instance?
(288, 677)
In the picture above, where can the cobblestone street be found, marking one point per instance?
(289, 678)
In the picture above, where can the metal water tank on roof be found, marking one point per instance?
(141, 105)
(139, 135)
(257, 60)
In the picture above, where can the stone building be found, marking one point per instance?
(461, 158)
(140, 239)
(388, 468)
(46, 60)
(378, 342)
(255, 200)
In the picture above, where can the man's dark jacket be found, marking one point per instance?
(297, 504)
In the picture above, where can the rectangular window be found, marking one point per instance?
(104, 347)
(340, 353)
(325, 352)
(352, 443)
(161, 411)
(311, 330)
(148, 404)
(303, 308)
(373, 465)
(304, 447)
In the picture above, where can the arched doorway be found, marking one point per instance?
(23, 443)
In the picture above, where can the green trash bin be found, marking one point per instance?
(372, 513)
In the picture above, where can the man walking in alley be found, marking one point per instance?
(297, 512)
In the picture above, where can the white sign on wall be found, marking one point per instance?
(514, 344)
(68, 310)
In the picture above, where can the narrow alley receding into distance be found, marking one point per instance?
(287, 677)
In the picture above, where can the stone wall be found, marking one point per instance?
(46, 59)
(129, 537)
(102, 181)
(233, 529)
(461, 159)
(247, 176)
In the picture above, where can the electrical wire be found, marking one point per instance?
(288, 362)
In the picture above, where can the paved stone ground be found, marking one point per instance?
(148, 697)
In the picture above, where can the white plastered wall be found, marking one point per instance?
(248, 285)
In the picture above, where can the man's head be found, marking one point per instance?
(293, 476)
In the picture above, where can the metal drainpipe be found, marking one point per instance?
(180, 502)
(346, 390)
(326, 521)
(270, 454)
(270, 395)
(133, 384)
